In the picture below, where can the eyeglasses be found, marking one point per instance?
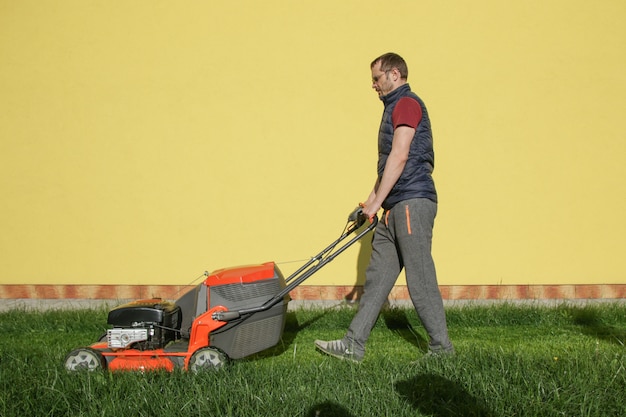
(377, 77)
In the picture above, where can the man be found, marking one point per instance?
(405, 190)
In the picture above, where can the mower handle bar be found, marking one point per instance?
(357, 218)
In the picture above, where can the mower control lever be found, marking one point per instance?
(357, 216)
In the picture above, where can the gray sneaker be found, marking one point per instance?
(338, 349)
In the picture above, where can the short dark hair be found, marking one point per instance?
(390, 61)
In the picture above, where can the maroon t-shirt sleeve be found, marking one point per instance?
(407, 112)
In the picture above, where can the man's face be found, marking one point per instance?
(381, 81)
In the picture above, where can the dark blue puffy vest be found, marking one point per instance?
(416, 180)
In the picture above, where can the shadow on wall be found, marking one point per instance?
(363, 260)
(436, 396)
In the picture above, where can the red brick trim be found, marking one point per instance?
(321, 292)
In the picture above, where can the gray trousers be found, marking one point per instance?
(402, 240)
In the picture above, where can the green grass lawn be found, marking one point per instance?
(511, 361)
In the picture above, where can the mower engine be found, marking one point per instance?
(143, 325)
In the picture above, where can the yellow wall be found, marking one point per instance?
(143, 142)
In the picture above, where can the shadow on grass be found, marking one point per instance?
(397, 321)
(591, 324)
(328, 409)
(436, 396)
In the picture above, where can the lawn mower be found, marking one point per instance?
(234, 313)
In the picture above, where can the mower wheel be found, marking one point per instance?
(84, 359)
(207, 358)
